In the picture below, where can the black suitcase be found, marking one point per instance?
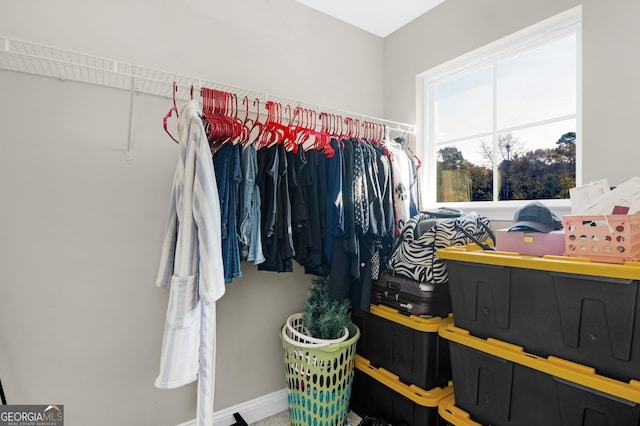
(411, 297)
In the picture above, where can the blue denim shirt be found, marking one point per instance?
(228, 177)
(249, 230)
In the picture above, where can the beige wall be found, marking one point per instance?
(610, 67)
(80, 318)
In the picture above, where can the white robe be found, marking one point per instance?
(191, 266)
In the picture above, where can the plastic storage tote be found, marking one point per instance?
(582, 311)
(611, 238)
(407, 346)
(379, 393)
(454, 415)
(497, 383)
(319, 380)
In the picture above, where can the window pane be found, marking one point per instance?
(464, 106)
(538, 85)
(537, 162)
(465, 171)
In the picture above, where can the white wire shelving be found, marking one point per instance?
(43, 60)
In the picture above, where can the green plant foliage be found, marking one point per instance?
(323, 317)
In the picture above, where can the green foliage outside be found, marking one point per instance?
(539, 174)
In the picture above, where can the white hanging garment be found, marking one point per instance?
(402, 177)
(191, 266)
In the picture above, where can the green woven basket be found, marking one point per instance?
(319, 380)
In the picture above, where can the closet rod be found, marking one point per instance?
(33, 58)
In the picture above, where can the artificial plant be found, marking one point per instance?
(323, 317)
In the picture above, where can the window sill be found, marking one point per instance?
(505, 210)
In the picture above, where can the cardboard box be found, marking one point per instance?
(531, 243)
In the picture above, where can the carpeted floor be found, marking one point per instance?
(282, 419)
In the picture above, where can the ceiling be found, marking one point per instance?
(380, 17)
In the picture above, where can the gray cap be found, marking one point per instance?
(535, 217)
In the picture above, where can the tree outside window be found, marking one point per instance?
(543, 173)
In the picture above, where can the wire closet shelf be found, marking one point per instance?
(33, 58)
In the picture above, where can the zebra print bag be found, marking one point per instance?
(415, 253)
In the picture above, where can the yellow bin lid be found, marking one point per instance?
(429, 325)
(422, 397)
(554, 366)
(454, 415)
(573, 265)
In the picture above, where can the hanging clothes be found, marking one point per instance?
(316, 200)
(297, 181)
(413, 174)
(308, 192)
(403, 184)
(350, 240)
(191, 266)
(334, 205)
(249, 235)
(387, 214)
(277, 238)
(368, 219)
(228, 177)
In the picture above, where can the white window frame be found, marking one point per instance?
(559, 26)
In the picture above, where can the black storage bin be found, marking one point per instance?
(581, 311)
(378, 393)
(407, 346)
(453, 414)
(499, 384)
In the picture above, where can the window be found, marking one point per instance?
(501, 124)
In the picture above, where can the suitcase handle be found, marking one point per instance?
(444, 212)
(407, 306)
(402, 307)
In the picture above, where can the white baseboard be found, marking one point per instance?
(251, 411)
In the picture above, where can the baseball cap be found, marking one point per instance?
(535, 217)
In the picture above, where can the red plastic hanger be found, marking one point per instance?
(216, 107)
(290, 140)
(349, 132)
(306, 127)
(174, 108)
(256, 123)
(418, 162)
(300, 118)
(275, 131)
(244, 135)
(323, 140)
(174, 93)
